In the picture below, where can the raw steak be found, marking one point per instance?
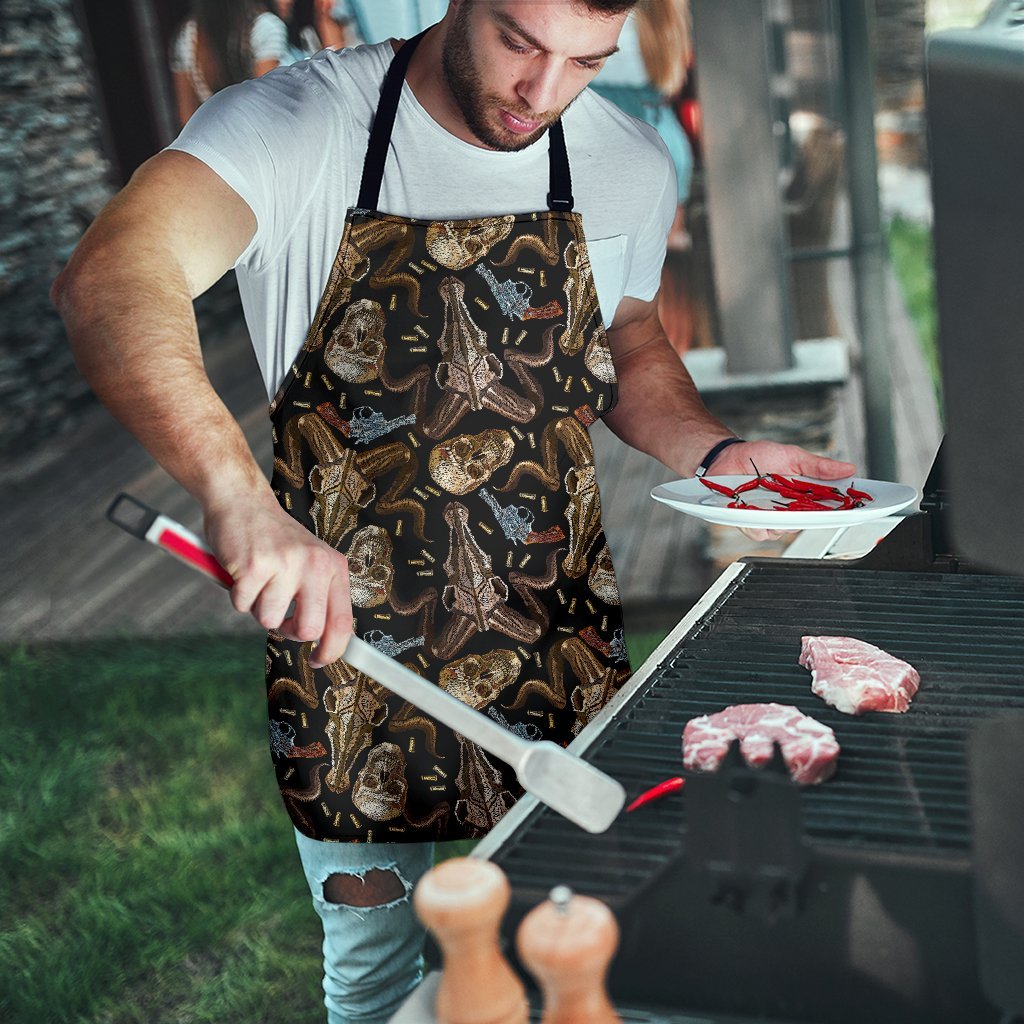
(809, 748)
(855, 677)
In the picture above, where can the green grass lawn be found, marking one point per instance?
(151, 873)
(148, 868)
(910, 248)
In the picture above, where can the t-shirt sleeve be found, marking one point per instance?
(269, 38)
(269, 140)
(652, 236)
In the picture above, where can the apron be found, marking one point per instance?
(434, 429)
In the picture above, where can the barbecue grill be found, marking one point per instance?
(893, 892)
(745, 897)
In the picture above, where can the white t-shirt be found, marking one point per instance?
(292, 144)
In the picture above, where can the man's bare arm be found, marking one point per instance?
(660, 411)
(126, 299)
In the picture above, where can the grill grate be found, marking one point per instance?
(901, 787)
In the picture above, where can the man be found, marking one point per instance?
(434, 356)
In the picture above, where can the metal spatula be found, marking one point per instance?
(573, 788)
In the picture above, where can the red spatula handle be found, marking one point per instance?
(179, 542)
(147, 524)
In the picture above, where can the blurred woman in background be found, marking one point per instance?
(221, 43)
(645, 78)
(313, 25)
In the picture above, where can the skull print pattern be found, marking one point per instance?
(417, 419)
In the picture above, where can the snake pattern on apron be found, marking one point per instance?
(434, 429)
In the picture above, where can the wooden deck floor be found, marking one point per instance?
(71, 575)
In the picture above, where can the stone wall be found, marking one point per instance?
(54, 178)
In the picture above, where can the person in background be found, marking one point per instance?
(312, 26)
(372, 21)
(645, 78)
(224, 42)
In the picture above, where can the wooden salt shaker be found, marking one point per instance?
(567, 943)
(462, 902)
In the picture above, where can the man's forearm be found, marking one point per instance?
(659, 409)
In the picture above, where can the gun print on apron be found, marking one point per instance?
(435, 429)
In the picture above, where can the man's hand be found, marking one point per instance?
(274, 562)
(771, 457)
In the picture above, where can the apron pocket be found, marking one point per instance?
(608, 262)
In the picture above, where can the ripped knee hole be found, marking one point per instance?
(376, 888)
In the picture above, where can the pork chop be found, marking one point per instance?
(809, 748)
(855, 677)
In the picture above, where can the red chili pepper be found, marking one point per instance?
(788, 492)
(720, 488)
(808, 505)
(809, 487)
(802, 495)
(656, 793)
(749, 485)
(793, 485)
(824, 490)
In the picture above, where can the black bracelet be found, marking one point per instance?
(705, 463)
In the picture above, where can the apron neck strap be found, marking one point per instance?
(559, 197)
(383, 123)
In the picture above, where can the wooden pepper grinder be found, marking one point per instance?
(462, 902)
(567, 943)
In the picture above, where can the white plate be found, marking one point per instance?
(693, 498)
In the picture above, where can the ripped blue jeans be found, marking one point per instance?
(372, 954)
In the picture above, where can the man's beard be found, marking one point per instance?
(464, 83)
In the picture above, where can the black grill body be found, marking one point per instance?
(844, 902)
